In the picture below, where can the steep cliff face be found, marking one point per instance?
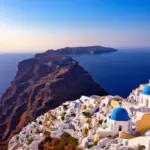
(42, 83)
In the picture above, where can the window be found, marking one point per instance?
(105, 120)
(103, 105)
(120, 128)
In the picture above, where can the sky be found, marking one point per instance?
(38, 25)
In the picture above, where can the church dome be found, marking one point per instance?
(119, 114)
(146, 90)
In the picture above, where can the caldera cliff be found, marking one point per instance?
(42, 83)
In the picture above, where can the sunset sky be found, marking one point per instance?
(38, 25)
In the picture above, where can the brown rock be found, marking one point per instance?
(42, 83)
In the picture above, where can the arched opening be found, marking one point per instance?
(103, 105)
(120, 128)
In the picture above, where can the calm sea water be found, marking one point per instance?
(8, 68)
(117, 72)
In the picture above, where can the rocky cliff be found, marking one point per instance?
(42, 83)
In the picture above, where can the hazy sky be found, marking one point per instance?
(33, 25)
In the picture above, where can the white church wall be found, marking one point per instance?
(145, 100)
(145, 110)
(125, 125)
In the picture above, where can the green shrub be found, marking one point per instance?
(92, 144)
(37, 131)
(65, 142)
(30, 140)
(86, 114)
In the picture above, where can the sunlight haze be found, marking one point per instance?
(39, 25)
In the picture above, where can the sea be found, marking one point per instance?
(118, 72)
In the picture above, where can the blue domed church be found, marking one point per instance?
(144, 98)
(120, 120)
(141, 96)
(146, 90)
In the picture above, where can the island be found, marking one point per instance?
(82, 50)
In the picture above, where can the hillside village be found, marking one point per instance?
(91, 123)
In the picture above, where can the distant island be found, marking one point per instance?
(82, 50)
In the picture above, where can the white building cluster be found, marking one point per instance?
(97, 122)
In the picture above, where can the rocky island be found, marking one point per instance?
(43, 83)
(83, 50)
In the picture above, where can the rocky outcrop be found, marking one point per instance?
(42, 83)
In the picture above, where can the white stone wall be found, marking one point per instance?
(105, 102)
(104, 134)
(126, 125)
(145, 100)
(102, 143)
(84, 98)
(145, 110)
(140, 140)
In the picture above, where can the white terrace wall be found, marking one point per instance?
(104, 134)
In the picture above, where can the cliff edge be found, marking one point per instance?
(42, 83)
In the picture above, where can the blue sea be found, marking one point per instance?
(119, 72)
(8, 68)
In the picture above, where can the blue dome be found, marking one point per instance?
(146, 90)
(119, 114)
